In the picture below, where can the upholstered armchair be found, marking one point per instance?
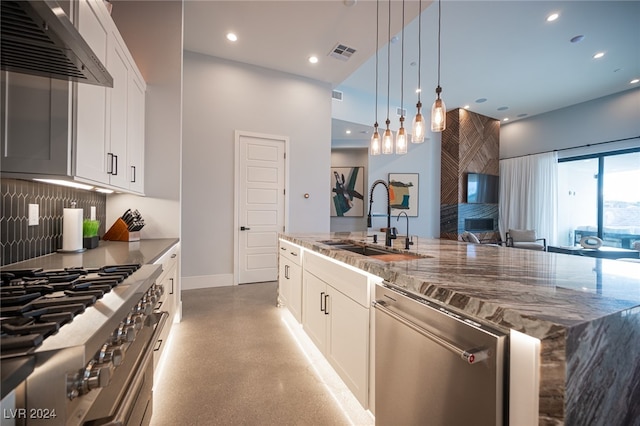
(526, 239)
(469, 237)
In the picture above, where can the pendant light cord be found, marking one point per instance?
(377, 37)
(439, 29)
(419, 46)
(388, 63)
(402, 67)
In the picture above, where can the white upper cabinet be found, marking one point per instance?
(110, 122)
(93, 134)
(91, 115)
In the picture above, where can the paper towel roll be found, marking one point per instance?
(72, 230)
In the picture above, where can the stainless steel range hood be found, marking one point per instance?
(39, 38)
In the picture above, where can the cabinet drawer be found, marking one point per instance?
(344, 279)
(168, 260)
(291, 251)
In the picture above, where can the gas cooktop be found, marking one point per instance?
(36, 303)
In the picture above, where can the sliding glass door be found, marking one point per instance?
(599, 195)
(577, 196)
(621, 199)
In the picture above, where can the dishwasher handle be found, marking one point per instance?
(471, 356)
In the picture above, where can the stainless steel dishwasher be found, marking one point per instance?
(435, 367)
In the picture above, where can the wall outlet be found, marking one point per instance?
(34, 214)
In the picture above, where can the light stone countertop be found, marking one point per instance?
(585, 311)
(107, 253)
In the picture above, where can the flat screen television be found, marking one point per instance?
(482, 188)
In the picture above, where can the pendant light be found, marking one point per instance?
(438, 110)
(401, 136)
(387, 139)
(374, 146)
(417, 130)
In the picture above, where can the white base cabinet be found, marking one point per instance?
(170, 299)
(336, 318)
(290, 278)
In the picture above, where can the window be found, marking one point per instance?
(599, 195)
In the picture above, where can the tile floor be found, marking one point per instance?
(233, 360)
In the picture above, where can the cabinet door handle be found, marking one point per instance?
(133, 174)
(115, 169)
(109, 163)
(286, 271)
(326, 306)
(321, 299)
(171, 279)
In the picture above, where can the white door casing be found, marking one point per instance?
(260, 205)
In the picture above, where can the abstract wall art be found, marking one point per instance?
(347, 191)
(403, 193)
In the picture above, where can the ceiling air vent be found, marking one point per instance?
(336, 95)
(342, 52)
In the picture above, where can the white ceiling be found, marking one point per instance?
(503, 51)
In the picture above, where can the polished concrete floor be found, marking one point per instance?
(233, 360)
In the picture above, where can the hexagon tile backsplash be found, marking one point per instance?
(18, 240)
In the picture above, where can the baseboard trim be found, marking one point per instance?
(206, 281)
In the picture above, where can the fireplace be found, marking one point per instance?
(479, 224)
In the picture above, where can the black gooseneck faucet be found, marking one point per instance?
(390, 233)
(407, 242)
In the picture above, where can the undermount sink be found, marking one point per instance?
(380, 253)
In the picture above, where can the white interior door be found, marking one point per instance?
(260, 205)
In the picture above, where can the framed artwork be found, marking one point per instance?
(403, 193)
(347, 189)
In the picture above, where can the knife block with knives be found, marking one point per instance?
(126, 228)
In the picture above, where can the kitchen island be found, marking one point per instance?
(585, 312)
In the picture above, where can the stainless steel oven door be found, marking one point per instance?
(128, 399)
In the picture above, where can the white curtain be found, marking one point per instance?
(529, 195)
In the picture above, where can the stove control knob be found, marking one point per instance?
(94, 376)
(151, 298)
(112, 354)
(125, 333)
(159, 289)
(97, 376)
(144, 307)
(135, 320)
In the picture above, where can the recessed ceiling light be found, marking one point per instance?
(522, 115)
(466, 107)
(481, 100)
(418, 90)
(577, 39)
(232, 37)
(313, 59)
(505, 119)
(503, 108)
(552, 17)
(348, 132)
(635, 80)
(598, 55)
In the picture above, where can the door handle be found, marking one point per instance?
(244, 228)
(321, 299)
(326, 306)
(470, 356)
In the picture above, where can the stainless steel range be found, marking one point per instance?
(92, 334)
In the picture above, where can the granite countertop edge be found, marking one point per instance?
(535, 303)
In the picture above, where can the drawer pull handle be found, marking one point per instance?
(158, 345)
